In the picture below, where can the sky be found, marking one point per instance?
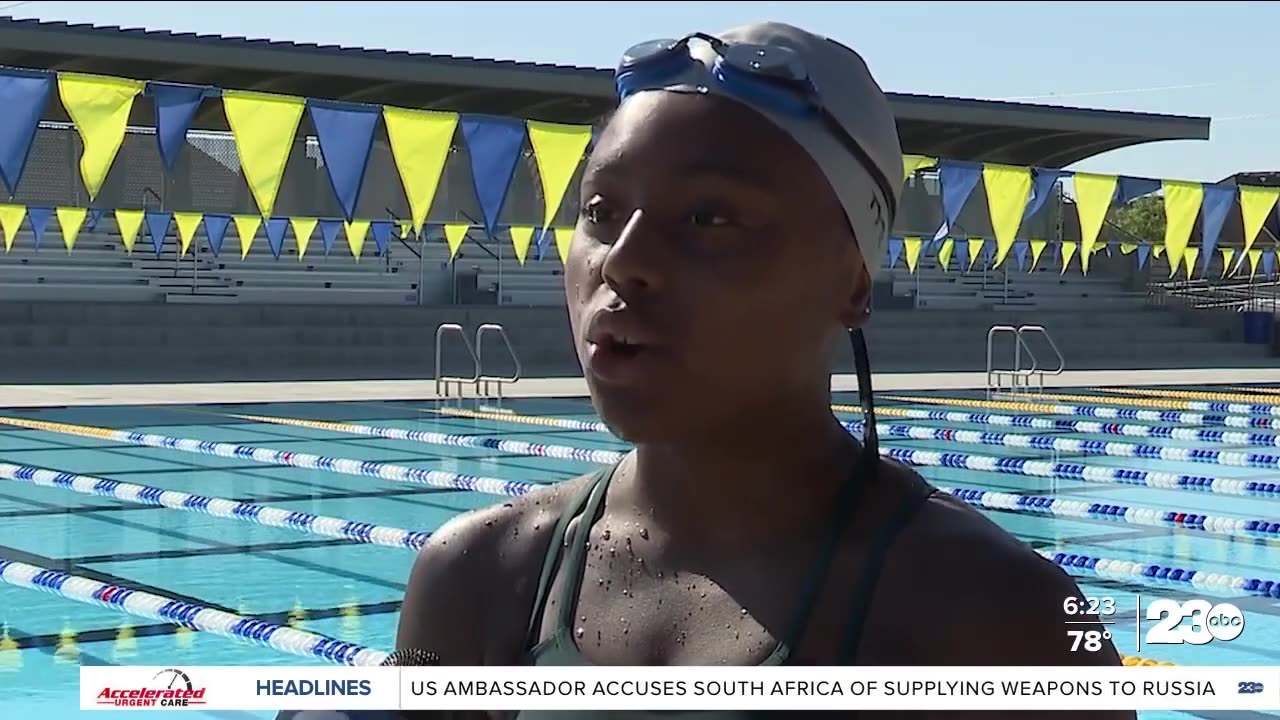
(1206, 59)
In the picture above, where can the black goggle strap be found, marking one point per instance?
(862, 366)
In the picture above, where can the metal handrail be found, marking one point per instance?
(1018, 375)
(444, 380)
(483, 381)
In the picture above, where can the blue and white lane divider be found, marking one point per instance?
(1163, 575)
(1028, 467)
(253, 513)
(1230, 526)
(188, 615)
(1090, 427)
(346, 466)
(1239, 528)
(1176, 417)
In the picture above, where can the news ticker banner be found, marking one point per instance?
(679, 688)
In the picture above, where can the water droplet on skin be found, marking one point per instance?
(613, 551)
(488, 523)
(623, 620)
(624, 591)
(737, 636)
(704, 594)
(581, 632)
(659, 574)
(626, 630)
(465, 551)
(600, 581)
(588, 545)
(640, 560)
(644, 533)
(606, 535)
(582, 619)
(537, 526)
(744, 612)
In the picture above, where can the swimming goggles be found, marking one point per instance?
(771, 77)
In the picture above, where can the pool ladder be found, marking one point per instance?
(1018, 378)
(484, 386)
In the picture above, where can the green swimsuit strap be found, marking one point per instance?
(920, 493)
(865, 473)
(555, 548)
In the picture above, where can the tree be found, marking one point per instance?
(1143, 219)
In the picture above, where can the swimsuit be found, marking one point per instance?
(559, 648)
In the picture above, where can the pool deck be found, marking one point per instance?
(32, 396)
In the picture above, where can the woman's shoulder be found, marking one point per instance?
(473, 585)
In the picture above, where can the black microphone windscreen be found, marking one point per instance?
(411, 657)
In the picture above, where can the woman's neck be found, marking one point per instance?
(741, 486)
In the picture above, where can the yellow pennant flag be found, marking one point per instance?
(1128, 248)
(1008, 187)
(564, 241)
(912, 247)
(1189, 259)
(914, 163)
(302, 229)
(70, 220)
(99, 106)
(1227, 255)
(1093, 199)
(1181, 206)
(129, 222)
(420, 144)
(944, 255)
(1254, 257)
(264, 127)
(247, 228)
(557, 149)
(357, 233)
(1068, 252)
(187, 224)
(1157, 250)
(521, 236)
(1037, 247)
(1256, 204)
(404, 230)
(11, 217)
(454, 234)
(975, 249)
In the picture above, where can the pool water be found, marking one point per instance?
(351, 591)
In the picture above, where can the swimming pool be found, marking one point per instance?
(370, 483)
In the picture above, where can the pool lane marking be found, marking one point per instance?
(1094, 411)
(253, 513)
(189, 615)
(347, 466)
(974, 437)
(1240, 528)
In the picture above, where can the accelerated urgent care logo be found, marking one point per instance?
(169, 688)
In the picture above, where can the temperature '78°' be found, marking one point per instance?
(1090, 640)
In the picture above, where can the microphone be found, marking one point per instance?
(406, 657)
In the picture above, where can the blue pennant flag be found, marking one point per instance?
(157, 227)
(329, 230)
(176, 106)
(276, 228)
(988, 251)
(895, 250)
(345, 132)
(215, 226)
(1218, 201)
(39, 217)
(1042, 182)
(494, 144)
(1144, 251)
(1020, 249)
(94, 217)
(24, 94)
(381, 230)
(1269, 263)
(958, 179)
(1132, 188)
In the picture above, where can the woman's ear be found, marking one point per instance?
(857, 306)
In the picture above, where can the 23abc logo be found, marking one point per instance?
(1208, 622)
